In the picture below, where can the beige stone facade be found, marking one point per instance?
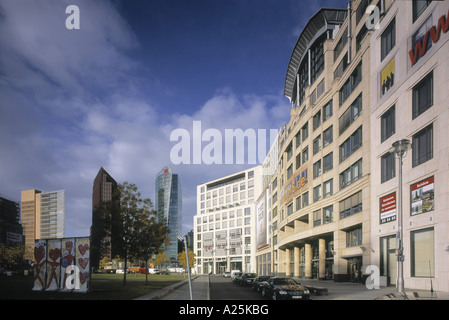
(416, 108)
(323, 223)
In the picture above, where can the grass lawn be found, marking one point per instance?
(103, 287)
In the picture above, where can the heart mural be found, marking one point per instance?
(83, 262)
(83, 249)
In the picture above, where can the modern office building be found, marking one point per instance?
(43, 215)
(225, 224)
(10, 227)
(410, 100)
(168, 206)
(104, 234)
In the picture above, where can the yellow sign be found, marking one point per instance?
(387, 77)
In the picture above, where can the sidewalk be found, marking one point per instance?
(358, 291)
(181, 290)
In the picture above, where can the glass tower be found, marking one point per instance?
(169, 209)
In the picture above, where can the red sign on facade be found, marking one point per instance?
(434, 32)
(388, 208)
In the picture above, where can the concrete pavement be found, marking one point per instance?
(181, 290)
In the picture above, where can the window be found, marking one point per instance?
(305, 131)
(418, 7)
(317, 59)
(327, 111)
(328, 162)
(298, 203)
(420, 48)
(328, 188)
(317, 218)
(328, 213)
(388, 169)
(298, 160)
(351, 114)
(423, 253)
(350, 84)
(317, 144)
(360, 36)
(316, 120)
(290, 209)
(351, 175)
(290, 171)
(354, 237)
(298, 138)
(305, 199)
(341, 44)
(422, 146)
(289, 151)
(317, 169)
(388, 39)
(387, 123)
(317, 193)
(351, 205)
(305, 155)
(352, 144)
(327, 136)
(423, 95)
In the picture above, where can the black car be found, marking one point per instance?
(285, 288)
(258, 283)
(247, 279)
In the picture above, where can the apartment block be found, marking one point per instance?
(43, 215)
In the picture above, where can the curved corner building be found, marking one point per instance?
(320, 195)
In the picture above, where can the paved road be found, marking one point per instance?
(224, 289)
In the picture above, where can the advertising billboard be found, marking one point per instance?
(262, 212)
(388, 208)
(422, 196)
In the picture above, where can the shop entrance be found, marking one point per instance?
(355, 269)
(388, 259)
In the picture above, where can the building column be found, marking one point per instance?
(308, 261)
(322, 259)
(287, 262)
(296, 271)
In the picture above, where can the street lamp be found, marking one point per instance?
(400, 149)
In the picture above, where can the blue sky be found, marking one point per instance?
(110, 93)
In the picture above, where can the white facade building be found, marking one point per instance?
(224, 228)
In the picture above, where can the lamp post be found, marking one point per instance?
(400, 149)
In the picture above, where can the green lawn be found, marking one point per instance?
(103, 287)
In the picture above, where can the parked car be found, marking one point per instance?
(258, 283)
(233, 272)
(247, 279)
(285, 288)
(226, 274)
(236, 277)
